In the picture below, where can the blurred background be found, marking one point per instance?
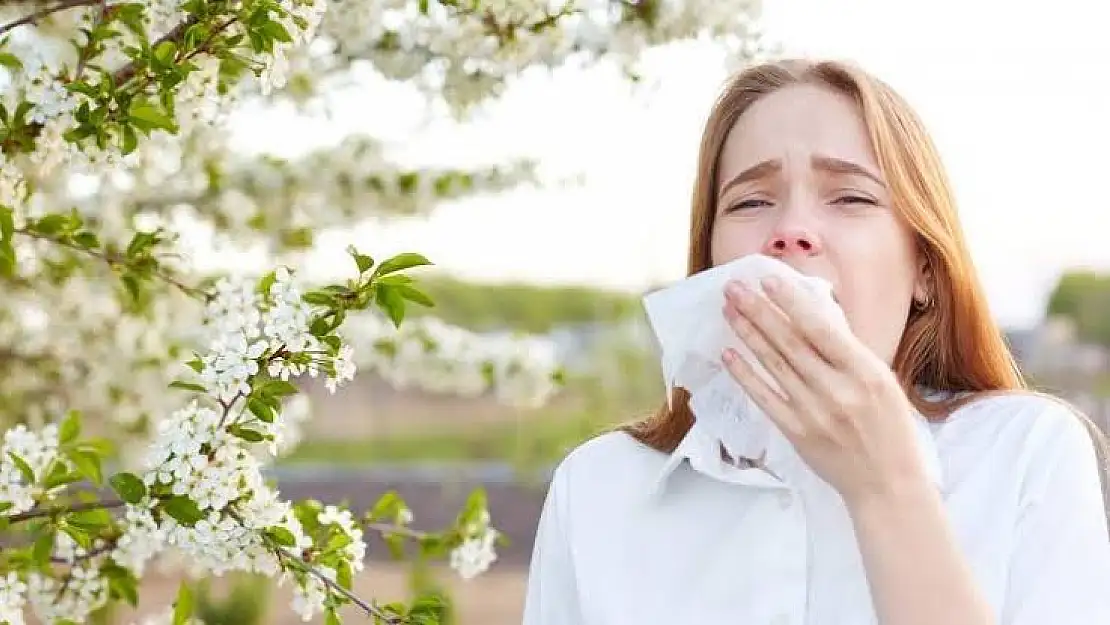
(1015, 94)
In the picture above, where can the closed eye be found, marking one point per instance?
(854, 199)
(747, 204)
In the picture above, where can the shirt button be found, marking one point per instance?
(786, 499)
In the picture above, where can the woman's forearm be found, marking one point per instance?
(915, 569)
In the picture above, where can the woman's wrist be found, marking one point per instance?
(912, 493)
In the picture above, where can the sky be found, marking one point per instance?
(1016, 95)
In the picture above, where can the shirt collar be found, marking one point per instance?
(704, 455)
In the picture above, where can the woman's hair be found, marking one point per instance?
(953, 345)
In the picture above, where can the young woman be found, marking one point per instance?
(826, 168)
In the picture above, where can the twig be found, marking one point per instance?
(400, 530)
(366, 607)
(110, 261)
(86, 556)
(77, 507)
(41, 13)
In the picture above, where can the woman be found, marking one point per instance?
(827, 169)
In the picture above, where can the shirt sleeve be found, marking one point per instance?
(551, 597)
(1060, 567)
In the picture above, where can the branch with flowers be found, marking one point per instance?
(200, 490)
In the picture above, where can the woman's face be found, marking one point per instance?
(798, 181)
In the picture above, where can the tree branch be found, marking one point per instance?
(37, 513)
(103, 549)
(308, 568)
(400, 530)
(113, 261)
(41, 13)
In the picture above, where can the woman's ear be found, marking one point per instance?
(923, 283)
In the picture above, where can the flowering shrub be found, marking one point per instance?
(113, 138)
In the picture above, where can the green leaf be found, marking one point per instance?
(24, 468)
(44, 546)
(414, 295)
(50, 224)
(392, 303)
(100, 446)
(79, 535)
(183, 606)
(147, 116)
(7, 258)
(122, 583)
(87, 240)
(282, 536)
(5, 505)
(165, 51)
(247, 434)
(88, 464)
(7, 225)
(316, 298)
(332, 617)
(401, 262)
(183, 510)
(188, 386)
(92, 518)
(277, 31)
(266, 282)
(386, 507)
(70, 428)
(11, 61)
(128, 486)
(131, 284)
(259, 409)
(279, 388)
(364, 262)
(59, 475)
(130, 140)
(343, 574)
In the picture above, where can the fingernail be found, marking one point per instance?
(729, 355)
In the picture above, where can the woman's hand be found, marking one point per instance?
(840, 404)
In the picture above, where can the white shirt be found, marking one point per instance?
(631, 536)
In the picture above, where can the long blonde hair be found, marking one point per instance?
(954, 345)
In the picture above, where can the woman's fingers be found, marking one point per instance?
(813, 326)
(792, 355)
(768, 399)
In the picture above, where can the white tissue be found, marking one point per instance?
(692, 332)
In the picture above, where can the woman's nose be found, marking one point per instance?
(792, 242)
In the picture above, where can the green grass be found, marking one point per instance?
(531, 441)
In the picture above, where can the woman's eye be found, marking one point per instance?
(747, 204)
(853, 199)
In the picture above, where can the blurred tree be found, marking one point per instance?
(1084, 298)
(522, 307)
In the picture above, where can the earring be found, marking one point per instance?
(925, 304)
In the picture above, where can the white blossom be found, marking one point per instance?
(38, 450)
(13, 595)
(476, 553)
(82, 591)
